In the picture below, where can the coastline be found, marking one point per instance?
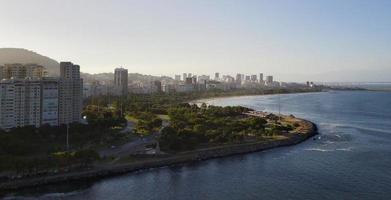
(308, 129)
(204, 100)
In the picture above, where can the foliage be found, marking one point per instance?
(147, 123)
(103, 117)
(24, 146)
(191, 126)
(160, 103)
(59, 160)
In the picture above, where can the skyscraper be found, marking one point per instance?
(20, 103)
(261, 77)
(158, 85)
(184, 76)
(121, 81)
(70, 93)
(238, 78)
(217, 76)
(269, 80)
(253, 78)
(28, 98)
(49, 102)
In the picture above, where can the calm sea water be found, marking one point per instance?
(350, 160)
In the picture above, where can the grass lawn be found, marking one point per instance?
(164, 117)
(131, 118)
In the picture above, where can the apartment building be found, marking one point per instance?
(27, 98)
(70, 93)
(21, 71)
(20, 103)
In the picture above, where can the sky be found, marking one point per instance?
(294, 40)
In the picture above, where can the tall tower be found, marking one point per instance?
(238, 78)
(261, 77)
(184, 76)
(121, 81)
(70, 93)
(269, 80)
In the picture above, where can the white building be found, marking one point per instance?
(40, 100)
(20, 103)
(7, 104)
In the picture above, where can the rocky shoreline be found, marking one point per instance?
(307, 130)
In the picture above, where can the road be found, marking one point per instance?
(133, 146)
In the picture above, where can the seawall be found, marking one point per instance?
(308, 130)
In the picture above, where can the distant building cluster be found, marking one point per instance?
(190, 82)
(120, 84)
(29, 98)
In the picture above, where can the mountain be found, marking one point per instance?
(24, 56)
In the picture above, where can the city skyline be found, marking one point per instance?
(327, 40)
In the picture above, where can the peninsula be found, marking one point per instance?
(187, 133)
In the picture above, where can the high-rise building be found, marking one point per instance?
(184, 76)
(238, 78)
(49, 102)
(31, 111)
(36, 100)
(25, 102)
(158, 86)
(20, 103)
(7, 104)
(189, 81)
(217, 76)
(121, 81)
(20, 71)
(254, 78)
(269, 80)
(261, 77)
(177, 77)
(70, 93)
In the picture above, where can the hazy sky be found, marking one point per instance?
(294, 40)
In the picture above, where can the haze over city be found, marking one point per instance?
(311, 40)
(195, 99)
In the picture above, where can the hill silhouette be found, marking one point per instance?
(24, 56)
